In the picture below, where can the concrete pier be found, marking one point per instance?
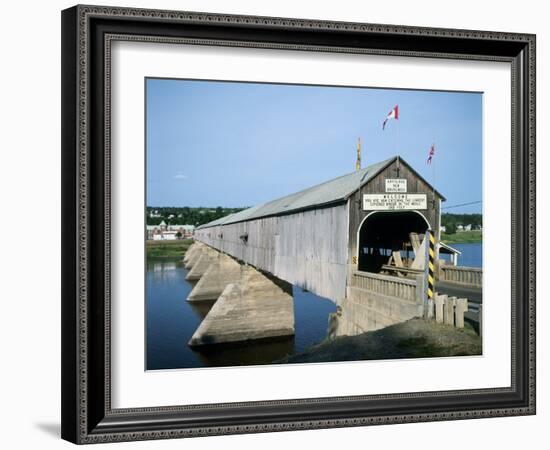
(194, 257)
(256, 307)
(201, 265)
(376, 301)
(192, 249)
(364, 311)
(222, 271)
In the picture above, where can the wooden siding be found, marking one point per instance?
(308, 249)
(415, 185)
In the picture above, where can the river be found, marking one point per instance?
(171, 321)
(471, 254)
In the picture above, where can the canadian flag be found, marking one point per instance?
(393, 114)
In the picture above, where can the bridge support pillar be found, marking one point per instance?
(190, 251)
(256, 307)
(202, 264)
(194, 256)
(222, 271)
(378, 301)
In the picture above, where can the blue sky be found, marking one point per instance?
(213, 143)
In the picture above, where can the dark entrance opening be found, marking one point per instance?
(381, 233)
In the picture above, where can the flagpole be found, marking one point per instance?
(397, 139)
(358, 169)
(433, 173)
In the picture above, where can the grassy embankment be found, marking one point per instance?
(168, 249)
(416, 338)
(462, 237)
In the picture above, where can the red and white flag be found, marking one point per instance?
(431, 154)
(393, 114)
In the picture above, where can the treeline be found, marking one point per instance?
(451, 221)
(186, 215)
(201, 215)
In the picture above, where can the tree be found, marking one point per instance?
(450, 228)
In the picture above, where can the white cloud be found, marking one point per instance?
(180, 176)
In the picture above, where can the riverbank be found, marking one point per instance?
(462, 237)
(416, 338)
(168, 249)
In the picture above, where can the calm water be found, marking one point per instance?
(171, 321)
(472, 254)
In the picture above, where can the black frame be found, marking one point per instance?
(87, 31)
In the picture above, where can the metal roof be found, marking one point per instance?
(335, 190)
(332, 191)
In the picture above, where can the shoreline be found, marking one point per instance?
(463, 237)
(167, 249)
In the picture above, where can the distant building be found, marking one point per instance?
(446, 249)
(163, 232)
(459, 228)
(468, 227)
(443, 228)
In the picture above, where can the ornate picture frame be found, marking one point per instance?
(87, 35)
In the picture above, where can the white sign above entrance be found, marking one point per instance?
(396, 185)
(391, 202)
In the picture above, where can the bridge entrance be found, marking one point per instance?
(384, 232)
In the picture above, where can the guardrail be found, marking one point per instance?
(404, 288)
(471, 276)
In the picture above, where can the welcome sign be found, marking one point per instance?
(389, 202)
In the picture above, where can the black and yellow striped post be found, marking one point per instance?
(429, 274)
(431, 258)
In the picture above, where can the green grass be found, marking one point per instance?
(462, 237)
(168, 249)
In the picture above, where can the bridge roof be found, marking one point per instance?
(332, 191)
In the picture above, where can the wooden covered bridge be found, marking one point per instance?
(357, 240)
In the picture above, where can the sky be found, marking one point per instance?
(234, 144)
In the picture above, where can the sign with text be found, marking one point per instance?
(396, 185)
(390, 202)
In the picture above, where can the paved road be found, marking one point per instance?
(456, 290)
(474, 296)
